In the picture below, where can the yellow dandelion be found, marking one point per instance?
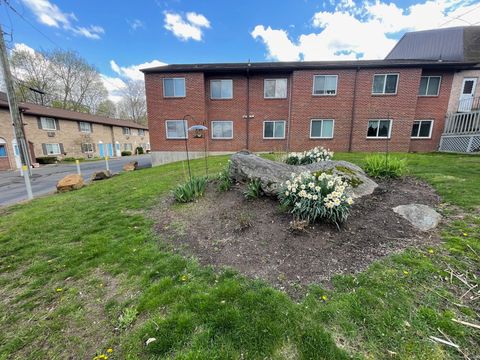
(109, 350)
(324, 297)
(58, 289)
(184, 278)
(465, 234)
(430, 251)
(405, 272)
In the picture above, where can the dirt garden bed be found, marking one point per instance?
(255, 238)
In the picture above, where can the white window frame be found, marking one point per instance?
(53, 153)
(274, 97)
(385, 83)
(173, 79)
(221, 97)
(180, 137)
(130, 147)
(322, 137)
(326, 75)
(431, 121)
(47, 128)
(89, 126)
(381, 137)
(222, 138)
(275, 122)
(126, 131)
(428, 82)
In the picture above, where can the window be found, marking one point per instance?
(429, 85)
(275, 88)
(126, 131)
(222, 129)
(3, 150)
(87, 147)
(141, 132)
(48, 123)
(321, 129)
(52, 149)
(85, 127)
(385, 84)
(274, 129)
(176, 129)
(325, 84)
(127, 147)
(379, 128)
(422, 129)
(221, 89)
(174, 87)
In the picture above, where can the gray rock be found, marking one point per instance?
(421, 216)
(246, 166)
(101, 175)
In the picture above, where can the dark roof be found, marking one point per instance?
(450, 44)
(304, 65)
(39, 110)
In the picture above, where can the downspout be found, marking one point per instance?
(352, 122)
(289, 120)
(248, 107)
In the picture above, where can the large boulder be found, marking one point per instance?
(101, 175)
(246, 166)
(130, 166)
(70, 182)
(421, 216)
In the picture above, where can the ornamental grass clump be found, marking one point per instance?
(311, 156)
(385, 166)
(191, 190)
(318, 196)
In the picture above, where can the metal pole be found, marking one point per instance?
(205, 154)
(106, 163)
(186, 147)
(13, 105)
(78, 167)
(28, 185)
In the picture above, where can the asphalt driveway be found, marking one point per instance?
(45, 178)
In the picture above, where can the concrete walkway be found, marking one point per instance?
(45, 178)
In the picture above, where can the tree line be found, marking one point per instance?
(63, 79)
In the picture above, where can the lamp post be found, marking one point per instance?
(186, 144)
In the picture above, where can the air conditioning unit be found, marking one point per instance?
(51, 133)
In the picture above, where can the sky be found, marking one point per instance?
(119, 37)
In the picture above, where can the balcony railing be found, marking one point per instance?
(470, 104)
(463, 123)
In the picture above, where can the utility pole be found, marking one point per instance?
(15, 115)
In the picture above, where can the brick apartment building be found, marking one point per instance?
(61, 133)
(399, 103)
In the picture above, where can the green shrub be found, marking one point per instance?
(385, 166)
(69, 159)
(126, 153)
(254, 189)
(139, 150)
(46, 159)
(310, 197)
(224, 181)
(311, 156)
(191, 190)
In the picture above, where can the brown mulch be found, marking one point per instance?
(255, 236)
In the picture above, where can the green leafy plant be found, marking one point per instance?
(254, 189)
(191, 190)
(310, 197)
(224, 181)
(311, 156)
(126, 153)
(385, 166)
(139, 150)
(127, 317)
(46, 159)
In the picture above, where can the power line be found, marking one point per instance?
(459, 16)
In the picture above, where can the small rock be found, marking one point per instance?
(101, 175)
(421, 216)
(131, 166)
(70, 182)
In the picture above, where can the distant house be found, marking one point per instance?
(63, 133)
(461, 44)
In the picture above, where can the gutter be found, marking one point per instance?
(354, 100)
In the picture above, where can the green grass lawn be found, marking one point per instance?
(83, 272)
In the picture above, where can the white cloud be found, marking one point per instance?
(133, 72)
(187, 28)
(50, 14)
(136, 24)
(363, 31)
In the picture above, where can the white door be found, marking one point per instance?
(466, 96)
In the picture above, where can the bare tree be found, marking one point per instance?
(133, 104)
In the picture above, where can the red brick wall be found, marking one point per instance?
(433, 108)
(403, 108)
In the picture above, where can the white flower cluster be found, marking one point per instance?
(316, 154)
(330, 189)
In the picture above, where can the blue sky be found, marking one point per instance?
(119, 36)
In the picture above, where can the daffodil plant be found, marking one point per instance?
(311, 156)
